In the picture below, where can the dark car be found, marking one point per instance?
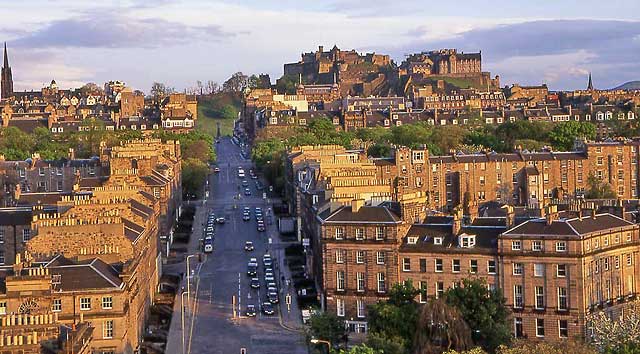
(267, 308)
(272, 295)
(252, 269)
(251, 310)
(245, 183)
(255, 283)
(220, 220)
(247, 191)
(261, 228)
(246, 217)
(216, 170)
(248, 246)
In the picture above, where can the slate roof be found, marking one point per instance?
(84, 275)
(568, 227)
(373, 214)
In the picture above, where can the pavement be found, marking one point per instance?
(211, 326)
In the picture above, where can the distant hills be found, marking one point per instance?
(631, 85)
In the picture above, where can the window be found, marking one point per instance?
(468, 241)
(605, 264)
(539, 291)
(339, 233)
(406, 264)
(379, 233)
(628, 236)
(491, 267)
(561, 271)
(360, 281)
(538, 270)
(423, 292)
(561, 246)
(617, 262)
(518, 297)
(56, 305)
(107, 302)
(423, 265)
(26, 235)
(3, 308)
(1, 235)
(381, 283)
(439, 267)
(360, 306)
(517, 327)
(629, 259)
(107, 329)
(563, 328)
(340, 280)
(517, 269)
(473, 264)
(2, 260)
(536, 246)
(359, 234)
(340, 256)
(516, 245)
(562, 299)
(360, 256)
(439, 289)
(380, 257)
(41, 171)
(85, 303)
(455, 265)
(340, 307)
(539, 327)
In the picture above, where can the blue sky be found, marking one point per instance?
(179, 42)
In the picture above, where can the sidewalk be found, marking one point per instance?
(174, 338)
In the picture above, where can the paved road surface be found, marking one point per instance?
(213, 328)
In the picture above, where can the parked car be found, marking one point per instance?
(220, 220)
(248, 246)
(246, 217)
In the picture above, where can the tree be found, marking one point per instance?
(566, 346)
(91, 88)
(361, 349)
(598, 189)
(229, 111)
(616, 334)
(379, 150)
(287, 84)
(441, 327)
(327, 326)
(93, 134)
(194, 174)
(395, 319)
(236, 83)
(564, 134)
(483, 310)
(159, 91)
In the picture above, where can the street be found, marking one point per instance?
(223, 275)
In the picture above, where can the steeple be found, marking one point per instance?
(6, 79)
(6, 56)
(590, 85)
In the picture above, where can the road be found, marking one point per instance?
(222, 276)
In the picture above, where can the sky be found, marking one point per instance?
(179, 42)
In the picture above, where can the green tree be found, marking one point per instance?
(236, 83)
(229, 111)
(598, 189)
(395, 319)
(564, 134)
(326, 326)
(15, 144)
(483, 310)
(323, 130)
(287, 84)
(361, 349)
(441, 327)
(379, 150)
(194, 174)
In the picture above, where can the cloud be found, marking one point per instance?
(111, 30)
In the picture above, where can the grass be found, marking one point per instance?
(216, 109)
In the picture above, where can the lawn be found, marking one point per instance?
(220, 108)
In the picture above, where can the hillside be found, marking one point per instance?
(631, 85)
(220, 108)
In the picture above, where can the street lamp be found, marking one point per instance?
(189, 275)
(182, 315)
(318, 341)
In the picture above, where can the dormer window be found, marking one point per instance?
(438, 240)
(412, 240)
(467, 241)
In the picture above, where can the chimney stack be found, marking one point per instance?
(510, 218)
(457, 220)
(551, 213)
(356, 204)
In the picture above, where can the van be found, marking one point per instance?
(208, 245)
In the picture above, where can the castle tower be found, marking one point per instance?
(6, 79)
(590, 84)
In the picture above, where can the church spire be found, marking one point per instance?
(590, 85)
(6, 56)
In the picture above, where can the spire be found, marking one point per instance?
(6, 57)
(590, 85)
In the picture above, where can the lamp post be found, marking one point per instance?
(182, 315)
(318, 341)
(188, 276)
